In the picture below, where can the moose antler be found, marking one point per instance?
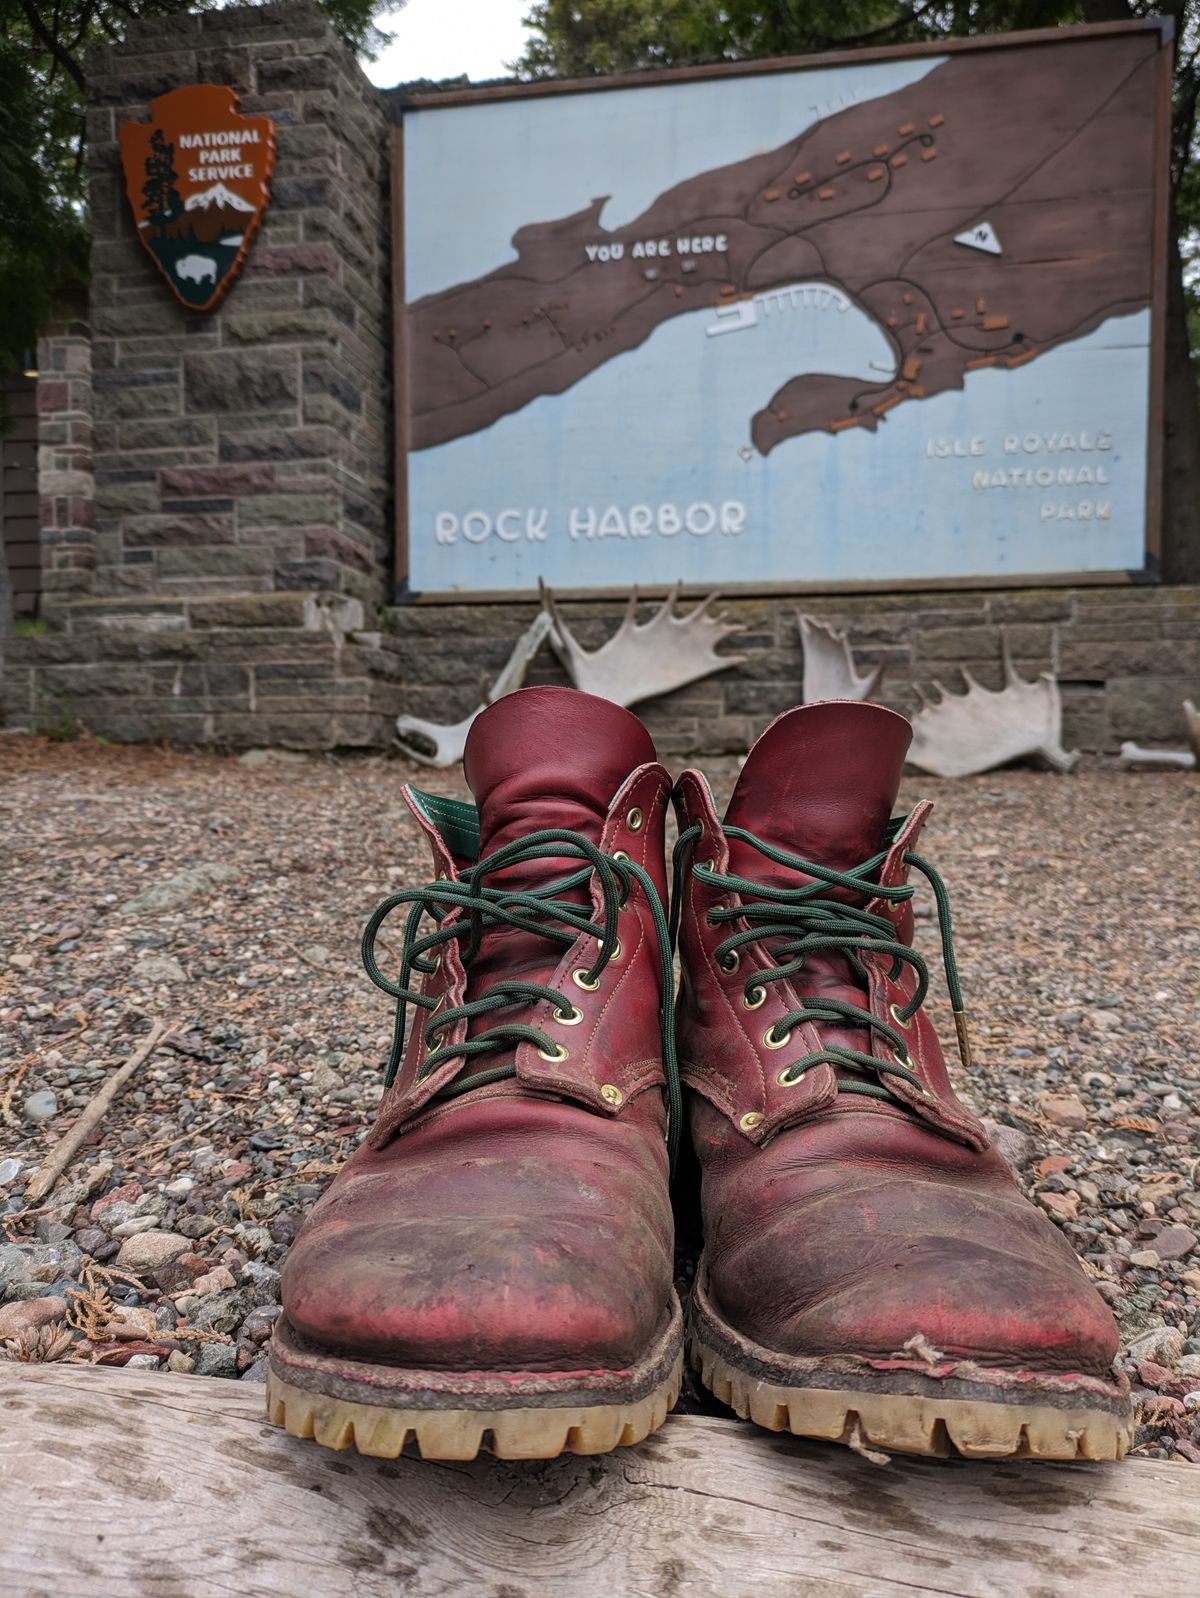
(1189, 759)
(640, 662)
(961, 734)
(829, 668)
(436, 745)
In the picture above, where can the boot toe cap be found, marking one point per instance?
(547, 1277)
(989, 1280)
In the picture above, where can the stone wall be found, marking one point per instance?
(247, 449)
(66, 484)
(1125, 656)
(305, 671)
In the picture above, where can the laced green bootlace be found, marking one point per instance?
(800, 922)
(543, 910)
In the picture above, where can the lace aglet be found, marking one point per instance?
(964, 1040)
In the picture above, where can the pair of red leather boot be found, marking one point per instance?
(494, 1266)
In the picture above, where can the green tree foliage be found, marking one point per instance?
(162, 198)
(43, 193)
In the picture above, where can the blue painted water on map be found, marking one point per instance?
(667, 424)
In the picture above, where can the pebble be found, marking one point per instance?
(148, 1250)
(1163, 1345)
(156, 968)
(216, 1359)
(40, 1106)
(1068, 1112)
(218, 1280)
(143, 1362)
(1174, 1242)
(1145, 1259)
(9, 1171)
(176, 891)
(27, 1316)
(133, 1226)
(1011, 1143)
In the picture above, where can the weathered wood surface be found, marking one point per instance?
(141, 1485)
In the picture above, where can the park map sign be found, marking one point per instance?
(197, 177)
(864, 319)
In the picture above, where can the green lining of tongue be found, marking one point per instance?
(455, 819)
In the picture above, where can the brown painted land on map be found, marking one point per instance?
(1055, 145)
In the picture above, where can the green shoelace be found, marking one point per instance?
(801, 922)
(542, 910)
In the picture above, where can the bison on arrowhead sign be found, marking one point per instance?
(197, 175)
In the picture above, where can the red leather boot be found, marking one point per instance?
(493, 1268)
(871, 1273)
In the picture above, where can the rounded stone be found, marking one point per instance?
(147, 1251)
(40, 1106)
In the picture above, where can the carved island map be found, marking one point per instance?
(909, 339)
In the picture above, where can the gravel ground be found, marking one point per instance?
(226, 897)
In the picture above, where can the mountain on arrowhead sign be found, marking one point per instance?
(197, 177)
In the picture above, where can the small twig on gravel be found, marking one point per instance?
(312, 964)
(64, 1152)
(6, 1114)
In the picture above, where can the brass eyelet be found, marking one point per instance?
(634, 820)
(730, 962)
(772, 1042)
(579, 978)
(614, 953)
(899, 1017)
(619, 854)
(557, 1057)
(750, 1121)
(708, 865)
(786, 1079)
(572, 1019)
(753, 1004)
(612, 1095)
(904, 1058)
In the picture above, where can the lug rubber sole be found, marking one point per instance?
(380, 1410)
(898, 1405)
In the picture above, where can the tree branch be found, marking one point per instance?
(49, 42)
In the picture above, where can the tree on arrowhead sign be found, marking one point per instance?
(197, 177)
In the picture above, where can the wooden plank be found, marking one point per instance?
(118, 1482)
(892, 585)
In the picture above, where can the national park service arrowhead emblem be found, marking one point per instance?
(197, 177)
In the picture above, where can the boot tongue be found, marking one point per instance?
(821, 783)
(540, 758)
(549, 757)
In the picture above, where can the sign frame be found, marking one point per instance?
(403, 106)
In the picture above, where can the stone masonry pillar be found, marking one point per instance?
(240, 460)
(247, 449)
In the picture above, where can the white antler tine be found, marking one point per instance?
(830, 671)
(641, 662)
(983, 728)
(1191, 717)
(1010, 671)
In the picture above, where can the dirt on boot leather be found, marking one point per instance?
(493, 1267)
(871, 1273)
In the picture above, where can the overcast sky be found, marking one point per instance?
(444, 38)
